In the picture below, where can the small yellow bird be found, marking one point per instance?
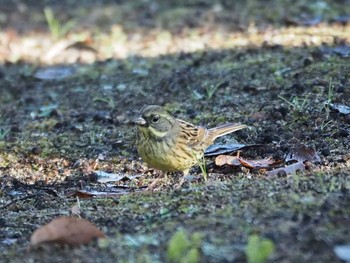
(169, 144)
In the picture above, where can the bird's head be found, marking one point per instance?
(155, 120)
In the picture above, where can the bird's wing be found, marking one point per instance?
(192, 135)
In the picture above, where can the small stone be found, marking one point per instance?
(283, 110)
(103, 116)
(191, 113)
(277, 115)
(259, 116)
(319, 121)
(347, 119)
(326, 151)
(281, 173)
(344, 133)
(35, 150)
(307, 61)
(346, 157)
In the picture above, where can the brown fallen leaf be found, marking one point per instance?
(66, 230)
(251, 164)
(80, 194)
(302, 153)
(227, 159)
(83, 194)
(257, 164)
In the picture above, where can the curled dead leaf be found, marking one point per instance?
(251, 164)
(83, 194)
(227, 159)
(302, 153)
(257, 164)
(66, 230)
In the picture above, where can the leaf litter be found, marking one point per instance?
(297, 154)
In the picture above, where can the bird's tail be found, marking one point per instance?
(225, 129)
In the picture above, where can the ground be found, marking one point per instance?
(281, 67)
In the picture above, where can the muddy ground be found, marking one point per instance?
(280, 67)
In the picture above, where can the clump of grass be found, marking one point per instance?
(108, 100)
(57, 29)
(296, 103)
(202, 165)
(211, 89)
(3, 133)
(209, 92)
(330, 97)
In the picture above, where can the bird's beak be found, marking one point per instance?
(140, 121)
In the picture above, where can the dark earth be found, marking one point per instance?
(281, 67)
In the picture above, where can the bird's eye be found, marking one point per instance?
(155, 118)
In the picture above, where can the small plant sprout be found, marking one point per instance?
(194, 93)
(330, 97)
(92, 137)
(211, 89)
(108, 100)
(202, 165)
(3, 133)
(57, 28)
(297, 104)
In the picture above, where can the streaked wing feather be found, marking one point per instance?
(192, 134)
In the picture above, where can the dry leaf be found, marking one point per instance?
(227, 159)
(66, 230)
(80, 194)
(302, 153)
(256, 164)
(95, 193)
(237, 161)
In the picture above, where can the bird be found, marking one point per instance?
(173, 145)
